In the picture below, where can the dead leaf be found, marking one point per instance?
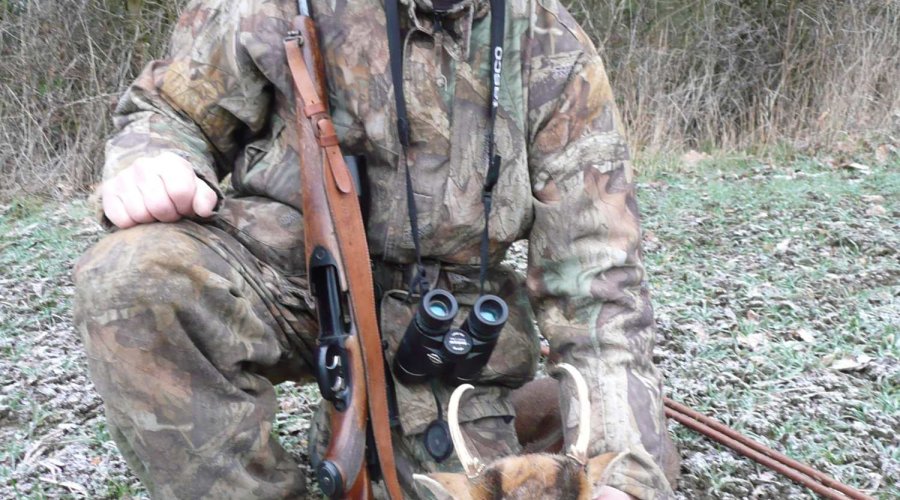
(730, 314)
(873, 198)
(876, 211)
(70, 485)
(699, 331)
(851, 363)
(767, 477)
(805, 335)
(783, 246)
(883, 153)
(752, 341)
(752, 315)
(845, 364)
(859, 167)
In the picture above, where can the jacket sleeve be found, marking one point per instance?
(585, 270)
(202, 102)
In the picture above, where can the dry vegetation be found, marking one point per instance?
(63, 64)
(701, 74)
(749, 73)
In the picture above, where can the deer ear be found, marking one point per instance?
(444, 486)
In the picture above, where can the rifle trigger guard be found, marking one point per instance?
(331, 374)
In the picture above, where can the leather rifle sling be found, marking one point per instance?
(343, 204)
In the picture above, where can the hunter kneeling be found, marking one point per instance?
(382, 157)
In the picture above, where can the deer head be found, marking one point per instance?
(532, 476)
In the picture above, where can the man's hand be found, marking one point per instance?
(161, 188)
(610, 493)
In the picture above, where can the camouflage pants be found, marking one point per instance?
(187, 326)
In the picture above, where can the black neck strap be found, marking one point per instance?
(395, 47)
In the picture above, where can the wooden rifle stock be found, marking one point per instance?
(350, 362)
(344, 460)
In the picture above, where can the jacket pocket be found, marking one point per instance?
(254, 166)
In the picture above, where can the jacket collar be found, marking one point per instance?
(428, 6)
(455, 35)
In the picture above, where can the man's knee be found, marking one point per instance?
(180, 294)
(146, 262)
(130, 284)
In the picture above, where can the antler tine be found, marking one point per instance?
(578, 449)
(470, 464)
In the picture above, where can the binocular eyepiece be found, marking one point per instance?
(432, 347)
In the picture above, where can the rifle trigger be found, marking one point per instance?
(335, 363)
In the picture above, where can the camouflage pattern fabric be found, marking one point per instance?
(186, 330)
(222, 100)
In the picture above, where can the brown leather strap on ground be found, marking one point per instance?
(350, 232)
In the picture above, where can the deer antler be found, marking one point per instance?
(578, 449)
(471, 465)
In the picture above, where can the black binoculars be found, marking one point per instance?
(432, 347)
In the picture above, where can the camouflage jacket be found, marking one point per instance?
(223, 100)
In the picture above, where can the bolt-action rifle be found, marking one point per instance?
(349, 358)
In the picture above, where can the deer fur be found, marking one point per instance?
(530, 476)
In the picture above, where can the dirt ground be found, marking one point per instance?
(776, 291)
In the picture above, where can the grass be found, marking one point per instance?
(776, 291)
(54, 443)
(768, 280)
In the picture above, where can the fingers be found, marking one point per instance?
(179, 180)
(160, 188)
(205, 199)
(114, 209)
(610, 493)
(156, 199)
(126, 189)
(190, 194)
